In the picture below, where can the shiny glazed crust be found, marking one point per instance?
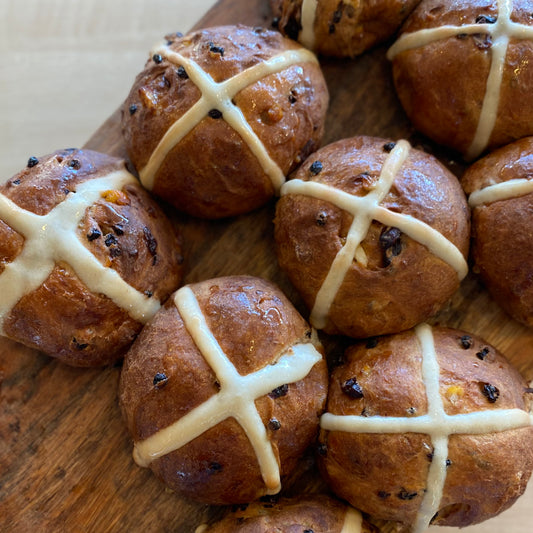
(319, 513)
(254, 324)
(386, 474)
(376, 299)
(346, 28)
(125, 230)
(212, 172)
(501, 231)
(441, 85)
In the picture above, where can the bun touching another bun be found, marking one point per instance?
(500, 189)
(219, 117)
(223, 389)
(373, 234)
(431, 425)
(340, 29)
(87, 257)
(463, 72)
(316, 513)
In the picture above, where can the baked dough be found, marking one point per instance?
(429, 425)
(500, 189)
(223, 389)
(373, 234)
(219, 117)
(343, 28)
(87, 257)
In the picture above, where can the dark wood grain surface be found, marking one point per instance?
(65, 455)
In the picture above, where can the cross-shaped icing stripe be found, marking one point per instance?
(364, 210)
(307, 34)
(436, 423)
(236, 397)
(219, 96)
(53, 238)
(501, 31)
(501, 191)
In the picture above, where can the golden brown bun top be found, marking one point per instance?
(47, 180)
(318, 513)
(222, 52)
(435, 13)
(513, 161)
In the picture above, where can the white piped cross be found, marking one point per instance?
(236, 397)
(501, 31)
(219, 96)
(53, 238)
(505, 190)
(364, 210)
(436, 423)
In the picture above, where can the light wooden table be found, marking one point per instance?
(68, 64)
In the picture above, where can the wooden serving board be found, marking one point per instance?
(65, 455)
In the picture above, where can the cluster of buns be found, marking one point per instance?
(225, 385)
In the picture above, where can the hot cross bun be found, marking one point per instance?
(87, 257)
(219, 117)
(463, 72)
(343, 28)
(431, 425)
(500, 189)
(373, 234)
(223, 389)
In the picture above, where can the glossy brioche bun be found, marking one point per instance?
(443, 84)
(502, 227)
(210, 169)
(340, 29)
(316, 513)
(53, 308)
(388, 474)
(166, 376)
(403, 282)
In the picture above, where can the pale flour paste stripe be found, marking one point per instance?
(436, 423)
(491, 101)
(501, 31)
(353, 521)
(53, 238)
(219, 96)
(307, 34)
(439, 436)
(473, 423)
(423, 233)
(421, 38)
(505, 190)
(236, 397)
